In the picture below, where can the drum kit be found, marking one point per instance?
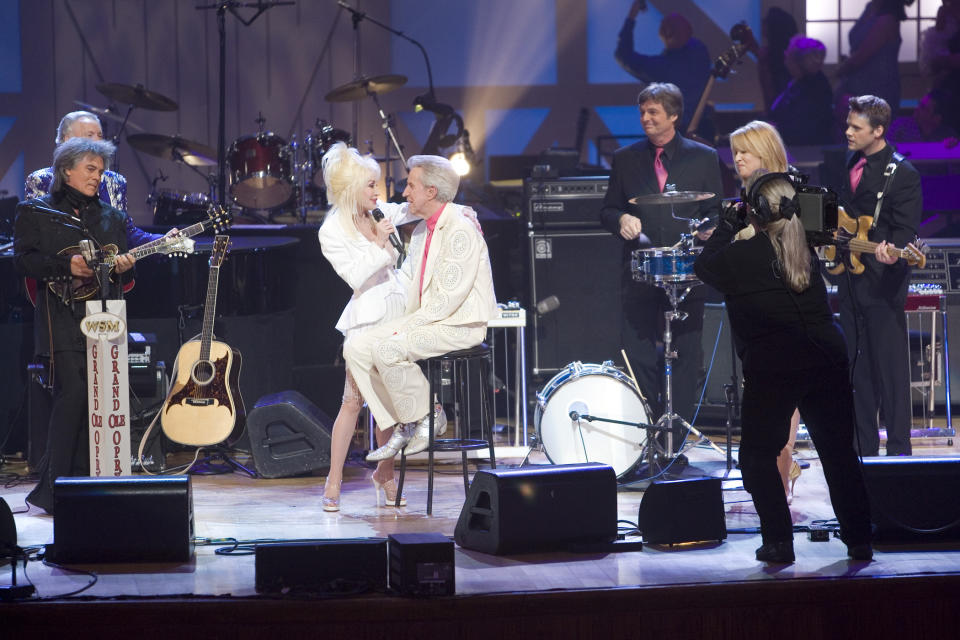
(596, 413)
(270, 179)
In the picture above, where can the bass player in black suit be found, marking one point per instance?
(871, 304)
(665, 160)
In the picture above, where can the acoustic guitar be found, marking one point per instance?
(852, 240)
(204, 406)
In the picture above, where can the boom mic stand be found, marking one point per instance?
(221, 9)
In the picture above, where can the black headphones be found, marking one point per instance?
(760, 207)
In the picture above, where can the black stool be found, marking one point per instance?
(459, 364)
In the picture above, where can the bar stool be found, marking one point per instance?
(459, 364)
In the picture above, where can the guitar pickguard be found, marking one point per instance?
(215, 390)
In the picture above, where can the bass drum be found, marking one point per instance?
(595, 389)
(260, 173)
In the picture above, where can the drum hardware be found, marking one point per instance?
(363, 86)
(671, 197)
(136, 96)
(109, 112)
(174, 148)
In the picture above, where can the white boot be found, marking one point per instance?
(398, 439)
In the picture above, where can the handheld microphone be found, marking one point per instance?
(394, 239)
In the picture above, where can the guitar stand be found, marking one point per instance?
(209, 465)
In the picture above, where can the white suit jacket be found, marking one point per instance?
(458, 281)
(366, 267)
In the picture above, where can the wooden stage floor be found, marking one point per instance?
(236, 506)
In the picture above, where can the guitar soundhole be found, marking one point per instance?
(203, 372)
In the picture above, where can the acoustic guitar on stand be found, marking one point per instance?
(852, 240)
(204, 406)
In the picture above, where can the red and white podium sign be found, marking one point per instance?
(108, 388)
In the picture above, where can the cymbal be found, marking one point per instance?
(137, 96)
(672, 197)
(359, 88)
(174, 148)
(107, 113)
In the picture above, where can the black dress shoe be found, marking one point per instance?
(777, 552)
(863, 552)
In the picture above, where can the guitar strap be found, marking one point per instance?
(888, 174)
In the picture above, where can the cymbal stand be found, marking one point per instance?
(386, 121)
(666, 421)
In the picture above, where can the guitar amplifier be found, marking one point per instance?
(564, 202)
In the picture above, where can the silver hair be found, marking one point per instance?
(68, 121)
(72, 152)
(437, 173)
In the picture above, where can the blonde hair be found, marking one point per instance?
(345, 174)
(787, 235)
(762, 140)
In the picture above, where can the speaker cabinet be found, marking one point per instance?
(122, 519)
(582, 269)
(689, 510)
(913, 499)
(289, 436)
(329, 567)
(539, 508)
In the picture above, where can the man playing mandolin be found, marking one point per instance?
(44, 227)
(882, 185)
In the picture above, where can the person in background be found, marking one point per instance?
(776, 30)
(873, 64)
(684, 62)
(793, 356)
(803, 113)
(928, 122)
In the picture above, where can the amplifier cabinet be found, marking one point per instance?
(564, 202)
(582, 269)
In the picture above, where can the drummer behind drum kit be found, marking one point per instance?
(268, 175)
(619, 433)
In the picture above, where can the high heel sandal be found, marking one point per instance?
(389, 493)
(330, 504)
(793, 476)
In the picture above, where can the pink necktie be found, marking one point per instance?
(856, 173)
(659, 169)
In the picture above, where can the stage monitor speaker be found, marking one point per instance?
(539, 508)
(913, 499)
(676, 511)
(582, 269)
(289, 436)
(122, 519)
(329, 567)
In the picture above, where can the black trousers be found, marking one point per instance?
(67, 452)
(825, 400)
(881, 372)
(644, 306)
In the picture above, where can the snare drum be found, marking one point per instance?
(599, 390)
(664, 264)
(172, 208)
(260, 175)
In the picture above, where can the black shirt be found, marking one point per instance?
(775, 328)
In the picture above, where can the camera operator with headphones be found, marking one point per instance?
(793, 356)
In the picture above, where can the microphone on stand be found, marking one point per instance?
(394, 239)
(88, 252)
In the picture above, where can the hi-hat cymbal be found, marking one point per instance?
(359, 88)
(174, 148)
(137, 96)
(672, 197)
(108, 113)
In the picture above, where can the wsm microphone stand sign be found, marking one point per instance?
(108, 391)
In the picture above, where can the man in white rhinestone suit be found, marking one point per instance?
(449, 301)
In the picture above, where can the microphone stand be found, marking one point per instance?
(221, 9)
(358, 17)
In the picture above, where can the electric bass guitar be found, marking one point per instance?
(744, 41)
(80, 289)
(851, 241)
(204, 406)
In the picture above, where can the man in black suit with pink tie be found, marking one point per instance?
(664, 161)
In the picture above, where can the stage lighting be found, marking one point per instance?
(462, 156)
